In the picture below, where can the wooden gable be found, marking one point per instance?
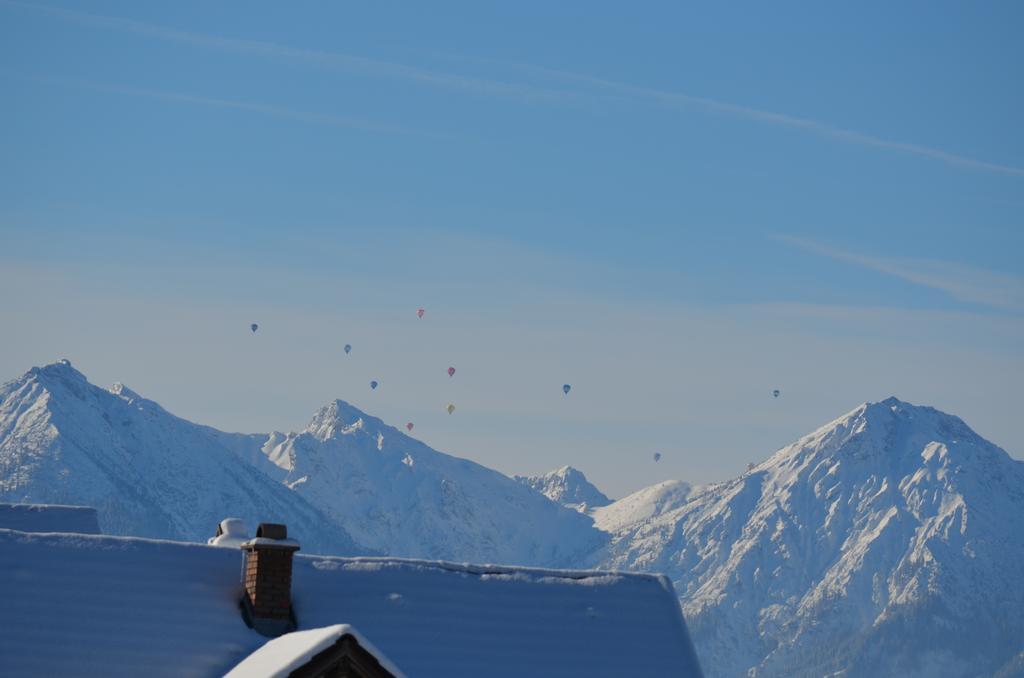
(345, 659)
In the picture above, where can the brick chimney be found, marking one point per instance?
(267, 604)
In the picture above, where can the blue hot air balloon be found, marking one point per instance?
(254, 327)
(566, 388)
(373, 384)
(657, 456)
(348, 348)
(776, 393)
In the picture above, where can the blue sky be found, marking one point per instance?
(676, 209)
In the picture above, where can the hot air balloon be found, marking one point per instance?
(254, 327)
(373, 384)
(657, 456)
(565, 389)
(348, 348)
(451, 371)
(776, 393)
(420, 312)
(450, 408)
(408, 426)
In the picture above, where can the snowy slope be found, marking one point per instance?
(888, 542)
(147, 472)
(568, 487)
(399, 496)
(347, 484)
(642, 505)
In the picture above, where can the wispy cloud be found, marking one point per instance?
(995, 289)
(234, 104)
(264, 109)
(492, 87)
(320, 58)
(759, 115)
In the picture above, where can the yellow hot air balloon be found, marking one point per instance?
(450, 408)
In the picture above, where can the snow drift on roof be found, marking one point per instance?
(49, 518)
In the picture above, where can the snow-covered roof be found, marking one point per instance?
(443, 619)
(89, 605)
(281, 656)
(49, 518)
(84, 605)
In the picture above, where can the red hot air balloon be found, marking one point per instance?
(451, 371)
(420, 312)
(409, 426)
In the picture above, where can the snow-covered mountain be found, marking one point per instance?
(568, 487)
(346, 484)
(147, 472)
(888, 542)
(397, 495)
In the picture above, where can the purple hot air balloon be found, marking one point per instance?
(451, 371)
(420, 312)
(409, 426)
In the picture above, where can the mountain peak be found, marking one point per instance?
(567, 486)
(642, 505)
(55, 378)
(60, 370)
(339, 418)
(889, 429)
(62, 364)
(885, 410)
(567, 472)
(890, 406)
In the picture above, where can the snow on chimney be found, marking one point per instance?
(231, 533)
(267, 604)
